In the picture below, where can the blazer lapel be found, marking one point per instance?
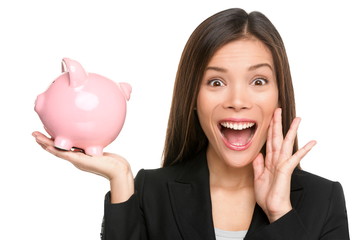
(191, 201)
(258, 221)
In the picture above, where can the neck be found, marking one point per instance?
(228, 177)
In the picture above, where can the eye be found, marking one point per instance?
(259, 82)
(216, 83)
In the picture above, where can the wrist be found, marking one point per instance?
(275, 215)
(122, 187)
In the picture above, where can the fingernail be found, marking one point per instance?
(34, 134)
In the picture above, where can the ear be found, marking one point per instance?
(77, 74)
(126, 88)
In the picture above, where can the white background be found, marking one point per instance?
(140, 42)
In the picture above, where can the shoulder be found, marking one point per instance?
(152, 186)
(313, 182)
(158, 178)
(320, 204)
(159, 174)
(317, 191)
(189, 170)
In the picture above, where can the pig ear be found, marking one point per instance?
(126, 88)
(77, 74)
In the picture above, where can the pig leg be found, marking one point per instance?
(94, 151)
(63, 143)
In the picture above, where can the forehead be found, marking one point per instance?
(245, 52)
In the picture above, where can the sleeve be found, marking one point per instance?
(287, 227)
(291, 226)
(336, 225)
(125, 220)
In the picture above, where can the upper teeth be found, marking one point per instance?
(237, 126)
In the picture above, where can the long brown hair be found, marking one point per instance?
(185, 137)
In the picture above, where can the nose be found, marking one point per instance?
(238, 98)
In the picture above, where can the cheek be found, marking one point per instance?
(203, 109)
(267, 103)
(206, 108)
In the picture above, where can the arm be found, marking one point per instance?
(272, 191)
(125, 220)
(122, 211)
(287, 227)
(111, 166)
(272, 175)
(291, 225)
(336, 225)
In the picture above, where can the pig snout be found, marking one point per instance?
(39, 103)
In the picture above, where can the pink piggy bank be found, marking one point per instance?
(83, 110)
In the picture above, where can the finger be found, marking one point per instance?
(300, 154)
(258, 166)
(269, 149)
(102, 165)
(71, 156)
(47, 144)
(44, 142)
(277, 135)
(288, 143)
(40, 136)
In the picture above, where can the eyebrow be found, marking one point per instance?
(218, 69)
(254, 67)
(251, 68)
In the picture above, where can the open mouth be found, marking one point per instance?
(237, 135)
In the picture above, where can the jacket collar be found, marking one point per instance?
(191, 201)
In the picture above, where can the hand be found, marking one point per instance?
(272, 176)
(111, 166)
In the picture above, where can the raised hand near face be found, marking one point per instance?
(111, 166)
(272, 175)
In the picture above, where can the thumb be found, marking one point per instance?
(258, 165)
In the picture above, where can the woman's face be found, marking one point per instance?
(237, 98)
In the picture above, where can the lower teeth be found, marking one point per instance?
(238, 144)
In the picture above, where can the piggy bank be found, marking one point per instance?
(83, 110)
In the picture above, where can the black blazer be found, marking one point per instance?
(174, 203)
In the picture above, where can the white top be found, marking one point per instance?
(229, 235)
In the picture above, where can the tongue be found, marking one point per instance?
(237, 137)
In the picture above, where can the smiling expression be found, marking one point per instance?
(237, 98)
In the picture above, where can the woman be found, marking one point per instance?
(228, 172)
